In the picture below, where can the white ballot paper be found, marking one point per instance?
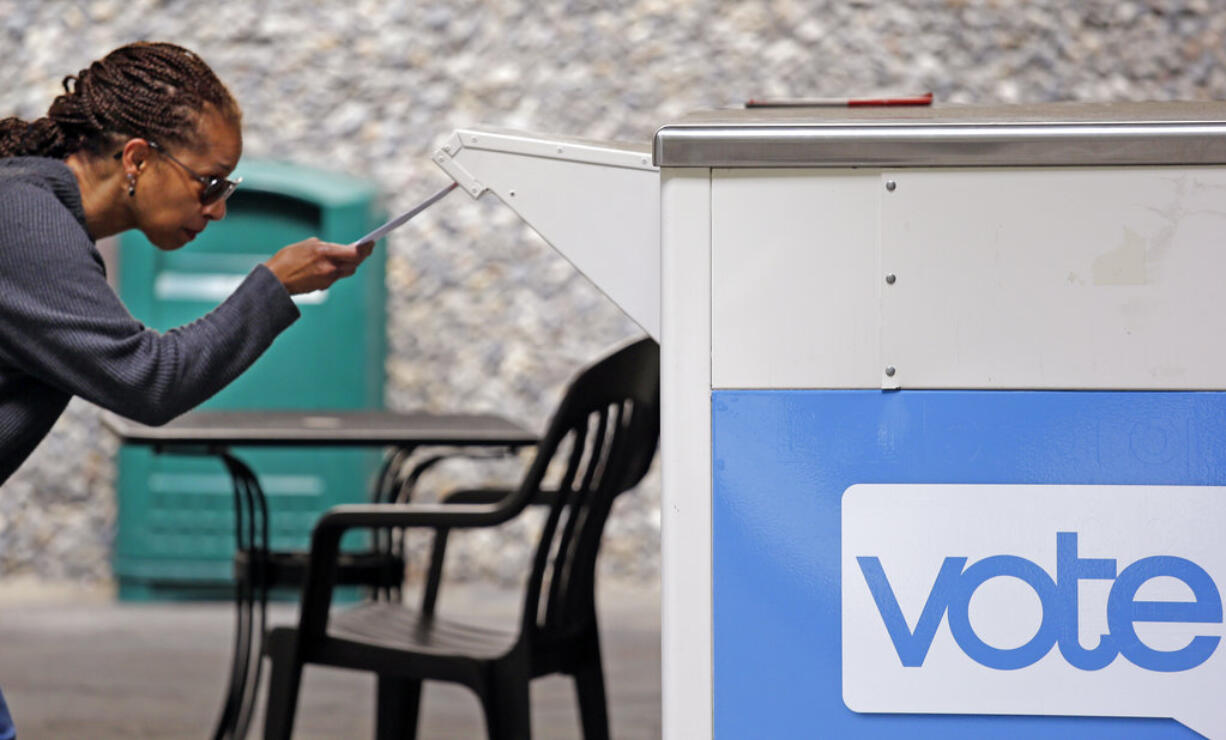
(403, 218)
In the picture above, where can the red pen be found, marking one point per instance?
(907, 100)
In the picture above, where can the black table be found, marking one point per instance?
(216, 432)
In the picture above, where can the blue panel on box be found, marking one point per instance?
(781, 462)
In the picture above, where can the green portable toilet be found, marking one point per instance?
(176, 516)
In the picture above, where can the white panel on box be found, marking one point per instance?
(795, 278)
(685, 422)
(1055, 278)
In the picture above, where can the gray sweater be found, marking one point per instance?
(64, 332)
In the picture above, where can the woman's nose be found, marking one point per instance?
(215, 211)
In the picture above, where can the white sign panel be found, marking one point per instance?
(1024, 599)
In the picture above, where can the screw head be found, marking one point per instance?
(889, 279)
(890, 185)
(889, 371)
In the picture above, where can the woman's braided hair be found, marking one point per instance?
(154, 91)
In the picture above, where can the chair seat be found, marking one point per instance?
(386, 626)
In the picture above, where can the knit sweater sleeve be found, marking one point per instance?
(61, 323)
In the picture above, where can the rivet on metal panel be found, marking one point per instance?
(560, 150)
(889, 371)
(890, 278)
(890, 185)
(447, 149)
(473, 140)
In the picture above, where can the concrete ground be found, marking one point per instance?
(77, 664)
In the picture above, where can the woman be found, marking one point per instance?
(144, 138)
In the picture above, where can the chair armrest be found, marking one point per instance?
(325, 542)
(494, 495)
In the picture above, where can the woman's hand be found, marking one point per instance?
(314, 265)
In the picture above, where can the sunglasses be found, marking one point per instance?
(216, 189)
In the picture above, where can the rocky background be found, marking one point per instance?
(482, 313)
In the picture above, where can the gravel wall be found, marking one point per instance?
(482, 313)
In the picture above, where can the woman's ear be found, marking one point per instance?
(134, 155)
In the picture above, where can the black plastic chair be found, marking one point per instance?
(604, 435)
(259, 569)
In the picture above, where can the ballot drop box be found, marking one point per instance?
(944, 433)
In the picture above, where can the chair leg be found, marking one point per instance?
(396, 711)
(507, 707)
(589, 687)
(283, 684)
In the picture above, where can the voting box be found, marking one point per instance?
(944, 437)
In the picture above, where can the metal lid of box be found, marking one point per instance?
(1042, 135)
(596, 202)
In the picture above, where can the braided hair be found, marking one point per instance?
(154, 91)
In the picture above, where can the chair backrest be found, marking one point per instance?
(604, 435)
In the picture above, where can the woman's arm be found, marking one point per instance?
(61, 323)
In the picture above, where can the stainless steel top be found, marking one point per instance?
(1049, 134)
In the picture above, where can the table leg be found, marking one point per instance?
(384, 491)
(251, 538)
(229, 712)
(262, 581)
(389, 474)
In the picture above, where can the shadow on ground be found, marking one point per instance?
(77, 665)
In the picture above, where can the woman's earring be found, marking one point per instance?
(131, 185)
